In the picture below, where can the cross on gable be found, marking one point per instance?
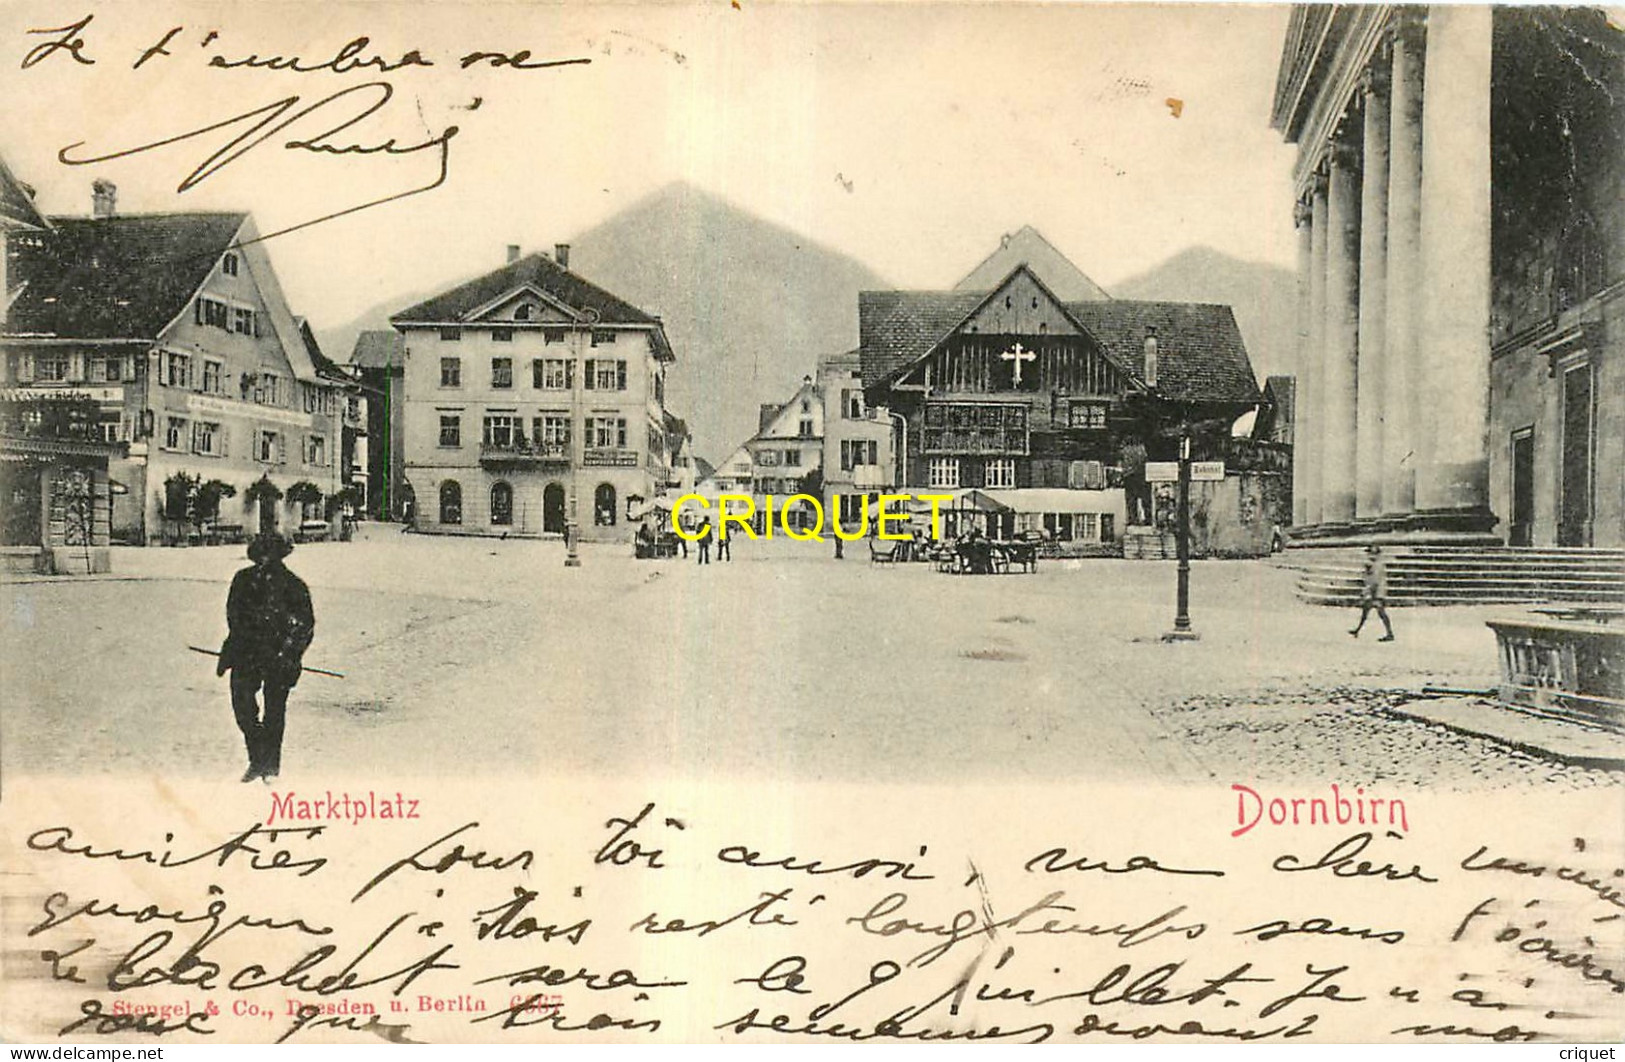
(1017, 355)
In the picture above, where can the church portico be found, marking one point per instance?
(1443, 183)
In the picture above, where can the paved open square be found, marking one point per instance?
(480, 655)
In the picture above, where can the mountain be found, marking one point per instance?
(1027, 246)
(1263, 297)
(749, 306)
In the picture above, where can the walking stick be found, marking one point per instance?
(312, 670)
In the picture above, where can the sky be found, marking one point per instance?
(909, 136)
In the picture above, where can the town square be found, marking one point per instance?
(759, 498)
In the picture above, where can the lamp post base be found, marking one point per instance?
(572, 559)
(1186, 635)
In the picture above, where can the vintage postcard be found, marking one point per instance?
(824, 522)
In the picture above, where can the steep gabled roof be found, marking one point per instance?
(1201, 356)
(379, 348)
(536, 270)
(1027, 246)
(897, 328)
(325, 367)
(124, 277)
(786, 417)
(16, 205)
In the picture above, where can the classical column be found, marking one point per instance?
(1337, 387)
(1308, 441)
(1303, 215)
(1455, 261)
(1402, 382)
(1373, 298)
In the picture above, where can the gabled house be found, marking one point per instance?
(531, 394)
(1012, 388)
(176, 327)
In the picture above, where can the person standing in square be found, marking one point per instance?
(270, 624)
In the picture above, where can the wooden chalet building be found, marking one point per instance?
(1011, 388)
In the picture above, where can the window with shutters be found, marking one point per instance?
(51, 368)
(180, 370)
(502, 430)
(607, 432)
(609, 375)
(316, 451)
(213, 312)
(175, 433)
(502, 372)
(553, 374)
(555, 429)
(206, 438)
(270, 446)
(242, 321)
(212, 373)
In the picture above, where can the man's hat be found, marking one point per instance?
(270, 546)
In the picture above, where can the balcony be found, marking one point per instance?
(525, 455)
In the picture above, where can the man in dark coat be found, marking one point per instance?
(271, 624)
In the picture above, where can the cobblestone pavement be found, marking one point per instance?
(477, 655)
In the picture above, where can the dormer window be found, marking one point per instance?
(228, 265)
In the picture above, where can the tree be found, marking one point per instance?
(206, 503)
(263, 491)
(180, 496)
(304, 494)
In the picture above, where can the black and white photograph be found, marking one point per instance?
(745, 522)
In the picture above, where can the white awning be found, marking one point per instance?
(1059, 500)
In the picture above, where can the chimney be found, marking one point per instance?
(103, 198)
(1150, 356)
(561, 255)
(513, 253)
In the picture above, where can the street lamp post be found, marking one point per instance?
(1182, 631)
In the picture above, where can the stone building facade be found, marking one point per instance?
(1460, 224)
(530, 397)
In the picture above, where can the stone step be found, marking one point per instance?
(1426, 575)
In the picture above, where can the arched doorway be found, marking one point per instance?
(553, 508)
(501, 505)
(603, 505)
(451, 502)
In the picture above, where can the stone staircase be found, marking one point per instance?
(1462, 575)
